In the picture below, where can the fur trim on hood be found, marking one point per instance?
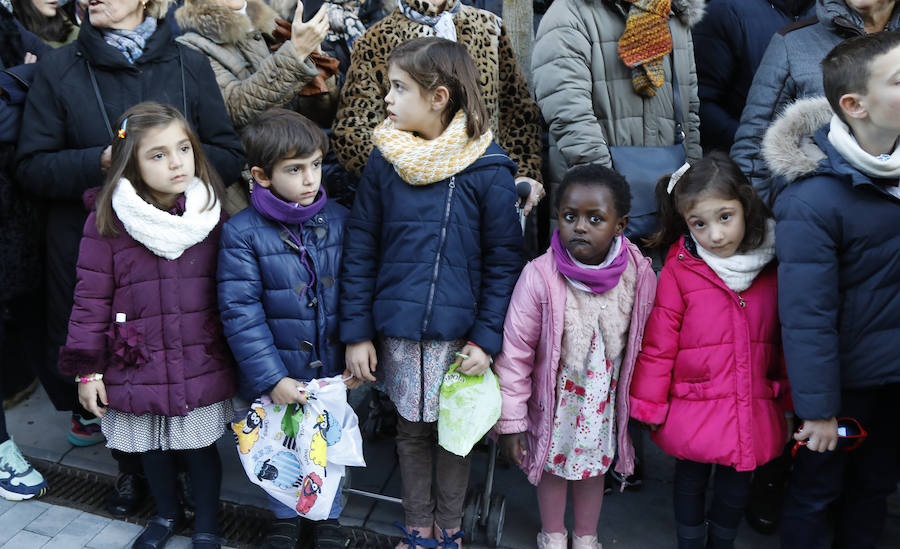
(788, 147)
(215, 22)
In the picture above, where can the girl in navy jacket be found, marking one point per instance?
(431, 255)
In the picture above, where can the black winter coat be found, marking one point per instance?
(729, 43)
(432, 262)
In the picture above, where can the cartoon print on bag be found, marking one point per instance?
(290, 425)
(282, 470)
(309, 493)
(328, 433)
(246, 431)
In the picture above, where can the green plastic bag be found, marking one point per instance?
(469, 407)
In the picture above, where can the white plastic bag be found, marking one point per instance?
(297, 454)
(469, 407)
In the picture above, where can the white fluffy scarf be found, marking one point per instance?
(884, 166)
(165, 234)
(740, 270)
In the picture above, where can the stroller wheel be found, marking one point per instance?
(496, 518)
(470, 516)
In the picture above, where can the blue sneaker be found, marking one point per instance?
(18, 479)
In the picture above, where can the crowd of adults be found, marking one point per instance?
(68, 70)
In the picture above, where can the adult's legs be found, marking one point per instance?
(689, 497)
(730, 496)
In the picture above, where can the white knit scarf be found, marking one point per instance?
(165, 234)
(740, 270)
(884, 166)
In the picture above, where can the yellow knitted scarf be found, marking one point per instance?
(421, 161)
(645, 42)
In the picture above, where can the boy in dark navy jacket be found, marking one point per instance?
(838, 247)
(278, 281)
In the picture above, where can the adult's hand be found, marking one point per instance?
(30, 58)
(537, 193)
(306, 37)
(821, 435)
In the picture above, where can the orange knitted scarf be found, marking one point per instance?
(645, 42)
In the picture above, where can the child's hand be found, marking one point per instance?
(361, 360)
(820, 434)
(648, 426)
(89, 393)
(475, 362)
(353, 382)
(514, 447)
(288, 391)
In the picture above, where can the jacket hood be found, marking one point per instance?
(214, 21)
(493, 156)
(838, 17)
(690, 12)
(789, 147)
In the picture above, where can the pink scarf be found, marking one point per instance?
(598, 280)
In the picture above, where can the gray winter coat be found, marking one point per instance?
(585, 91)
(791, 70)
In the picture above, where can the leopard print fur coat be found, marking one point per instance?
(515, 118)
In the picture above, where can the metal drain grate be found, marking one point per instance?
(243, 526)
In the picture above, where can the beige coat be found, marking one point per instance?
(251, 78)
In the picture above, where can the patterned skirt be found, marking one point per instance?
(411, 372)
(200, 428)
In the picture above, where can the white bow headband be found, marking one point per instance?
(673, 179)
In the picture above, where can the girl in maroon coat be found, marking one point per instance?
(711, 366)
(145, 343)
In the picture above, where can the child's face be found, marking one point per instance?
(588, 222)
(166, 162)
(294, 180)
(882, 97)
(717, 224)
(410, 107)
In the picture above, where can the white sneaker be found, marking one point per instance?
(555, 540)
(18, 479)
(586, 542)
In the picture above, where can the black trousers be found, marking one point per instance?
(858, 481)
(731, 491)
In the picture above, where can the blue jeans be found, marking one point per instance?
(282, 511)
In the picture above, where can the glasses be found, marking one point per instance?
(850, 436)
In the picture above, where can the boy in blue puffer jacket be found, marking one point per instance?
(837, 204)
(279, 265)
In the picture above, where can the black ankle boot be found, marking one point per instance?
(129, 493)
(691, 537)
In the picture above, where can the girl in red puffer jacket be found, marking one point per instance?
(711, 369)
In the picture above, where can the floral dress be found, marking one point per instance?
(583, 439)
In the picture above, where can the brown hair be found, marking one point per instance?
(278, 134)
(55, 29)
(136, 122)
(713, 175)
(848, 66)
(432, 62)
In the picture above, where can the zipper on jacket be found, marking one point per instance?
(421, 382)
(437, 257)
(741, 301)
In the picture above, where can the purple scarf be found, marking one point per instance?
(284, 213)
(598, 280)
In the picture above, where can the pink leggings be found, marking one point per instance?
(587, 498)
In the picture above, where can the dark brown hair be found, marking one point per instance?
(55, 29)
(278, 134)
(142, 118)
(432, 62)
(848, 66)
(713, 175)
